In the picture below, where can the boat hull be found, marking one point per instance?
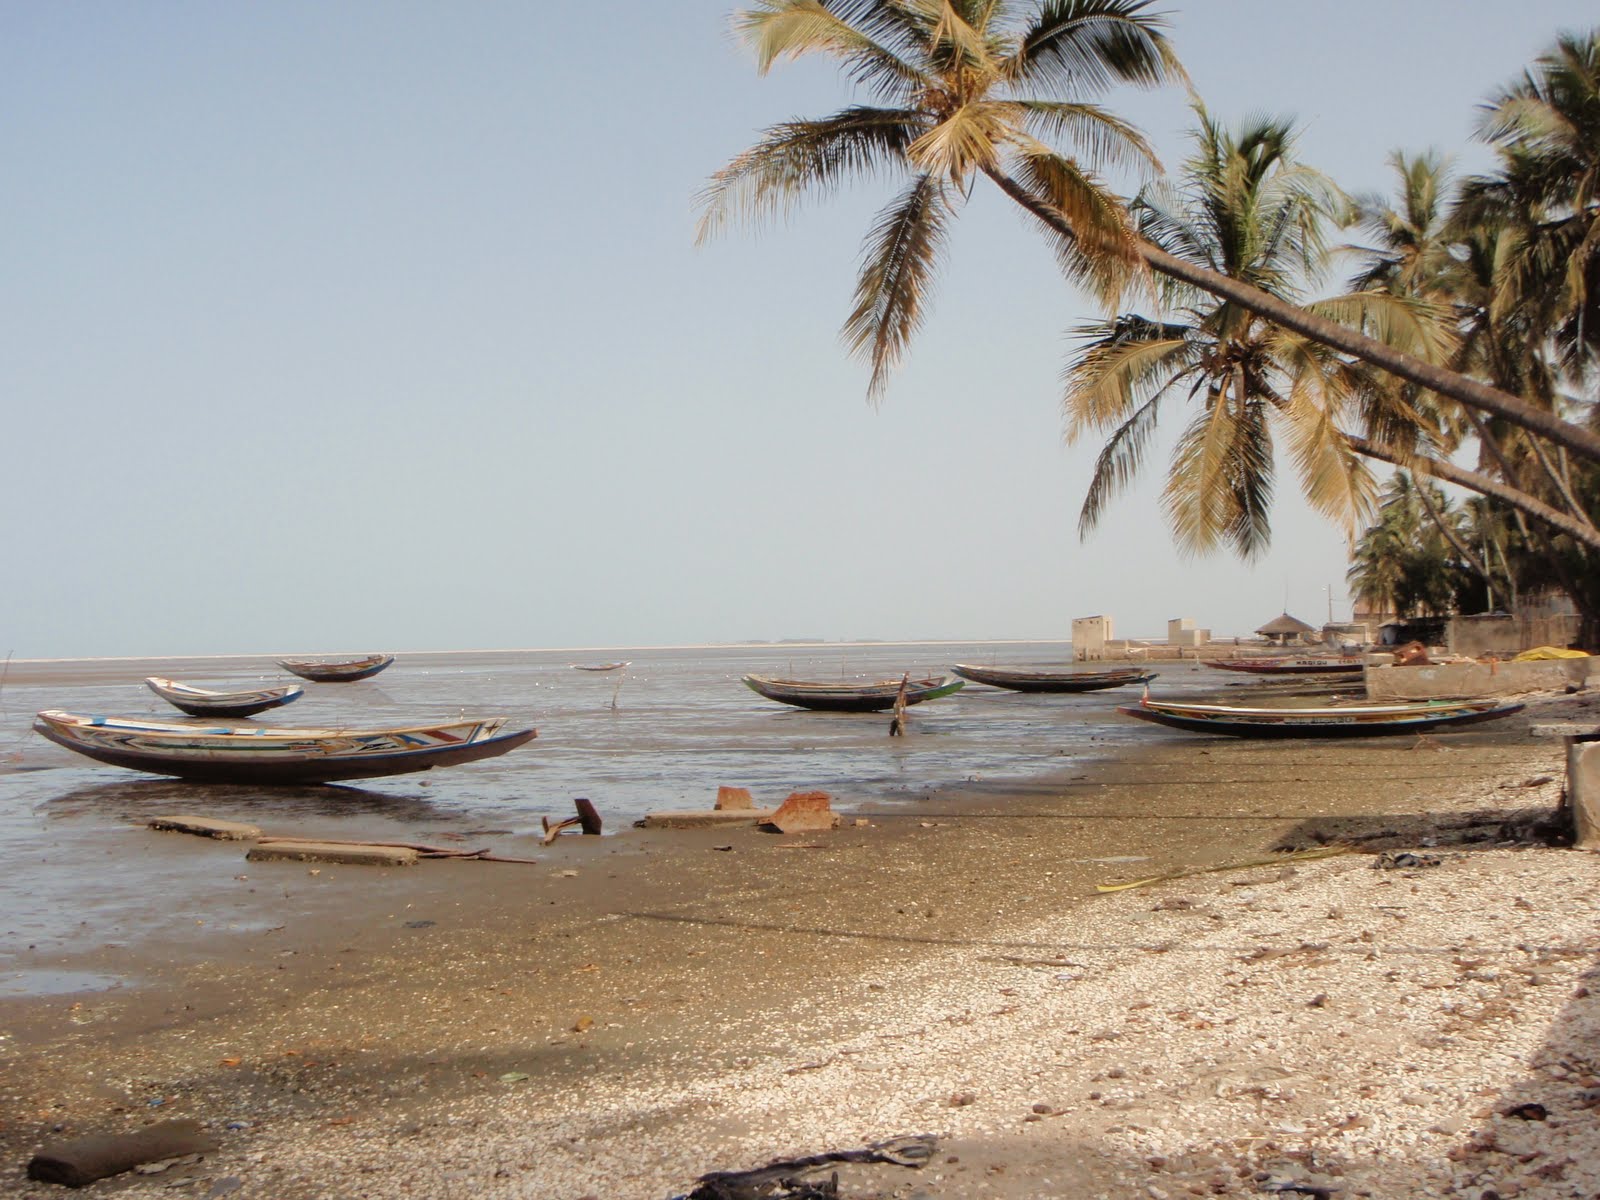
(857, 698)
(1051, 681)
(198, 702)
(337, 672)
(272, 757)
(1356, 724)
(1299, 666)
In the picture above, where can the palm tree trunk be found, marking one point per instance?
(1460, 388)
(1483, 485)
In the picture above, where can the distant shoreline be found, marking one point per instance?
(108, 658)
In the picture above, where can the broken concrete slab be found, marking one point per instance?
(804, 812)
(705, 818)
(734, 798)
(329, 852)
(231, 831)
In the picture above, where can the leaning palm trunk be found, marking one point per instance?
(1484, 485)
(1464, 390)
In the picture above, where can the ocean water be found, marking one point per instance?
(662, 734)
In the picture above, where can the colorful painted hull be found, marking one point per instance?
(1291, 666)
(1036, 680)
(263, 755)
(198, 702)
(1376, 720)
(851, 697)
(336, 672)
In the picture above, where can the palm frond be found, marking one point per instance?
(792, 29)
(1084, 47)
(1335, 480)
(964, 142)
(1123, 364)
(799, 157)
(1101, 138)
(899, 260)
(1101, 250)
(1119, 462)
(1219, 486)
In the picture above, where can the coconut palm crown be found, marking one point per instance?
(1243, 208)
(957, 88)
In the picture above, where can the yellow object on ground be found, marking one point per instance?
(1541, 653)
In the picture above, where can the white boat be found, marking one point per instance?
(199, 702)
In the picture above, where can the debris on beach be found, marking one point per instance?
(802, 1178)
(1327, 851)
(803, 812)
(228, 831)
(588, 819)
(83, 1160)
(349, 852)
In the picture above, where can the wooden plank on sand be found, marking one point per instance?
(230, 831)
(350, 854)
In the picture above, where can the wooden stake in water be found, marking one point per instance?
(621, 671)
(897, 726)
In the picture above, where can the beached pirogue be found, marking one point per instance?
(1309, 665)
(262, 755)
(1372, 720)
(345, 671)
(1043, 679)
(198, 702)
(852, 696)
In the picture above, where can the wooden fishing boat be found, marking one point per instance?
(262, 755)
(1371, 720)
(616, 666)
(347, 671)
(1041, 679)
(852, 696)
(1308, 665)
(198, 702)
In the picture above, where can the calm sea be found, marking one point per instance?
(662, 734)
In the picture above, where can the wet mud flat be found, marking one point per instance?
(638, 1009)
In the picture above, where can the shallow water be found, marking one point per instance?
(78, 872)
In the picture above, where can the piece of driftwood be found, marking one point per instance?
(80, 1161)
(211, 827)
(784, 1179)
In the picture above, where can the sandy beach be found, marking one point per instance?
(637, 1010)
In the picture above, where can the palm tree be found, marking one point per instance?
(1546, 127)
(953, 88)
(1245, 209)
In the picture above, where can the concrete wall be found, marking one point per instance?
(1482, 634)
(1469, 681)
(1181, 632)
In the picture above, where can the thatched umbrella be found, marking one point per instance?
(1284, 629)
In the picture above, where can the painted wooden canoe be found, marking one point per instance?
(1309, 665)
(1372, 720)
(616, 666)
(198, 702)
(262, 755)
(1040, 679)
(347, 671)
(852, 696)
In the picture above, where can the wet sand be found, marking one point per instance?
(587, 1026)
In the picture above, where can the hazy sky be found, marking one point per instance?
(364, 326)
